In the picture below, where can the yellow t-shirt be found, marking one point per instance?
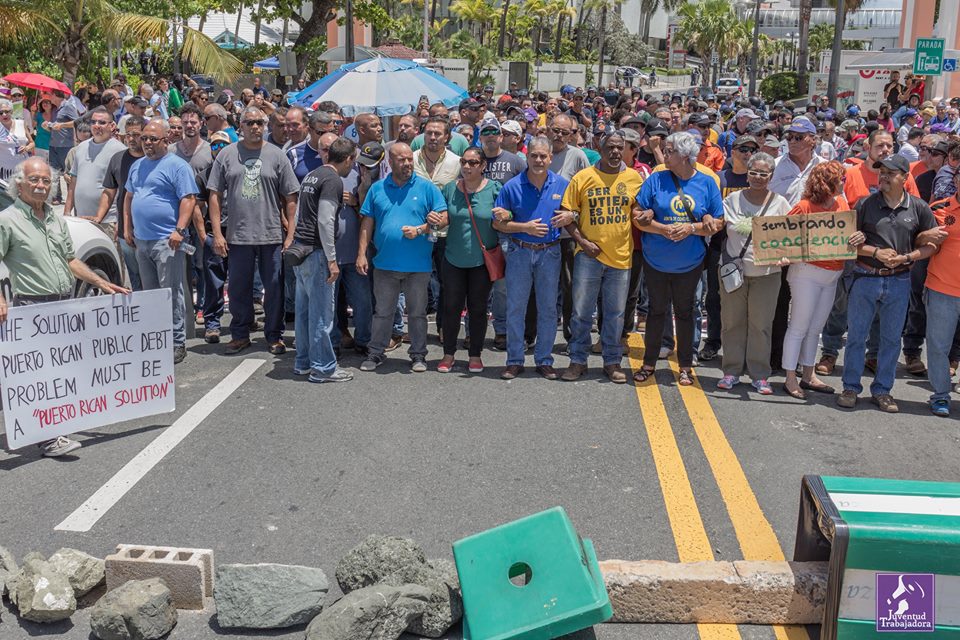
(605, 203)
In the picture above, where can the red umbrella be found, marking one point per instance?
(37, 81)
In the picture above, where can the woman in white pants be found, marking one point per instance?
(813, 285)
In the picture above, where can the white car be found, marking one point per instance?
(90, 244)
(729, 87)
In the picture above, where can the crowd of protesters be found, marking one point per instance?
(530, 211)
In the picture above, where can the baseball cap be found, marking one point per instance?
(942, 104)
(848, 125)
(567, 88)
(371, 154)
(511, 126)
(631, 136)
(277, 92)
(910, 112)
(219, 136)
(634, 120)
(530, 114)
(747, 113)
(469, 103)
(895, 162)
(488, 88)
(488, 124)
(641, 104)
(853, 110)
(745, 139)
(696, 119)
(656, 127)
(771, 141)
(801, 125)
(940, 127)
(943, 147)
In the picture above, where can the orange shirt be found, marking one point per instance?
(917, 168)
(711, 156)
(805, 206)
(943, 274)
(862, 182)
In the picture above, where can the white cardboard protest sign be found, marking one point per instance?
(85, 363)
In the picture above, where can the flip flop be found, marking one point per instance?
(819, 388)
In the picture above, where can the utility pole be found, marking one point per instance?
(426, 30)
(755, 52)
(348, 41)
(834, 77)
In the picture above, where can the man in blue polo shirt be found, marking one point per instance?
(527, 209)
(397, 214)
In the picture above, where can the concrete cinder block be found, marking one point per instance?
(188, 573)
(743, 592)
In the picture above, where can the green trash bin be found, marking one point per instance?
(893, 548)
(532, 579)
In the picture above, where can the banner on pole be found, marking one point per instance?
(804, 238)
(85, 363)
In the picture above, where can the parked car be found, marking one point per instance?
(206, 83)
(729, 87)
(91, 244)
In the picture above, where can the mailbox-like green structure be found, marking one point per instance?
(893, 548)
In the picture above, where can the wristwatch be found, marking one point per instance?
(182, 232)
(419, 231)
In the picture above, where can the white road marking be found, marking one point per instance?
(116, 487)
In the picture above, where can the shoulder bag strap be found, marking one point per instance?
(766, 205)
(473, 221)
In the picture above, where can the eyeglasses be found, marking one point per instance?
(151, 138)
(253, 123)
(176, 127)
(212, 115)
(132, 136)
(38, 180)
(745, 149)
(560, 132)
(6, 112)
(469, 163)
(758, 174)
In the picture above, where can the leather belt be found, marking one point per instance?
(882, 271)
(53, 297)
(536, 246)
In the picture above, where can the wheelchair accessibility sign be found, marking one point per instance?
(949, 65)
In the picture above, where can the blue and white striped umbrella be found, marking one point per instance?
(385, 86)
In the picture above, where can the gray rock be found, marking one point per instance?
(43, 594)
(136, 610)
(444, 606)
(8, 569)
(11, 582)
(82, 570)
(374, 559)
(379, 612)
(268, 596)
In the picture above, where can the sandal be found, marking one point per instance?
(686, 378)
(799, 394)
(643, 374)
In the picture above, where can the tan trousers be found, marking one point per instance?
(747, 320)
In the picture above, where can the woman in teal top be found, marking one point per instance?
(42, 136)
(464, 274)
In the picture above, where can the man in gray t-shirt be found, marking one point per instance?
(260, 188)
(201, 158)
(90, 166)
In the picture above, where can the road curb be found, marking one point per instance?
(742, 592)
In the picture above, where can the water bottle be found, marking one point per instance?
(188, 248)
(432, 235)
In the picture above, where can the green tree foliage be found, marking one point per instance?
(779, 86)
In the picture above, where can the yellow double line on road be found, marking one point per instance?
(754, 533)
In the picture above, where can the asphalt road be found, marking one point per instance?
(291, 472)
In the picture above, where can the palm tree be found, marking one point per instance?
(538, 9)
(476, 12)
(710, 26)
(650, 7)
(847, 6)
(562, 10)
(803, 46)
(73, 23)
(503, 27)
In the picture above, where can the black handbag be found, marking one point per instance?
(296, 253)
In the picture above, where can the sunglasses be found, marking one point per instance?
(216, 146)
(6, 112)
(759, 174)
(212, 115)
(560, 132)
(150, 138)
(794, 137)
(469, 163)
(490, 132)
(745, 149)
(253, 123)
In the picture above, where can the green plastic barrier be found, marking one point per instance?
(532, 579)
(894, 552)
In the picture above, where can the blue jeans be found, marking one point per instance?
(359, 295)
(591, 278)
(539, 268)
(869, 296)
(214, 277)
(832, 336)
(243, 260)
(133, 267)
(162, 268)
(943, 311)
(316, 311)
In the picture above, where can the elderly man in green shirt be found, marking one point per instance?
(36, 247)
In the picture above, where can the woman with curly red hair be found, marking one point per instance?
(813, 285)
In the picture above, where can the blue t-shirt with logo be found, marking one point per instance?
(526, 202)
(393, 207)
(157, 187)
(659, 193)
(304, 159)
